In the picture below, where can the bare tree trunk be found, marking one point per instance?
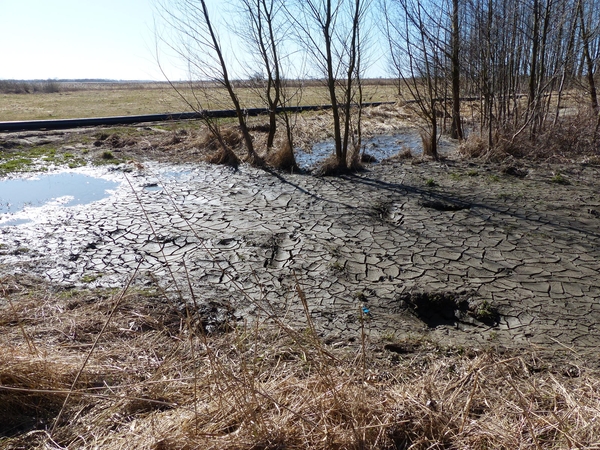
(337, 133)
(456, 131)
(352, 61)
(261, 16)
(253, 158)
(532, 105)
(587, 57)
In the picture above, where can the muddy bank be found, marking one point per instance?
(456, 252)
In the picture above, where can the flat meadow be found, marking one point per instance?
(103, 99)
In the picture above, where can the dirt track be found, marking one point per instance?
(454, 252)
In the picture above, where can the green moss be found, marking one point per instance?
(559, 179)
(89, 278)
(36, 159)
(17, 164)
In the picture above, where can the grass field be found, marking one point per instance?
(75, 100)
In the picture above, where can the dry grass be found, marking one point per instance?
(405, 154)
(283, 158)
(116, 99)
(574, 136)
(156, 381)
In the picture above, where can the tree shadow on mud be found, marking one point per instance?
(452, 201)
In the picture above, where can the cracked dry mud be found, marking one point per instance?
(476, 258)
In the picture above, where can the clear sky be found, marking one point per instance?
(107, 39)
(43, 39)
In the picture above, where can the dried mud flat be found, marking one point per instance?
(460, 253)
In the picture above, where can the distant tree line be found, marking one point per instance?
(506, 66)
(29, 87)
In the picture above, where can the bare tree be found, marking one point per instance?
(264, 35)
(456, 129)
(586, 45)
(415, 34)
(198, 44)
(329, 31)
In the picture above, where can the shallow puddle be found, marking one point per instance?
(21, 197)
(379, 147)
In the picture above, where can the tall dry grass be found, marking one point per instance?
(156, 380)
(572, 137)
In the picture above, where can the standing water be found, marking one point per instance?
(380, 147)
(22, 198)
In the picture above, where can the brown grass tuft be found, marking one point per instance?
(404, 154)
(223, 146)
(224, 156)
(330, 167)
(427, 147)
(283, 158)
(230, 136)
(473, 147)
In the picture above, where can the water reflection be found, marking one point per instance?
(66, 189)
(380, 147)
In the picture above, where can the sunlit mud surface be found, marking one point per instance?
(456, 252)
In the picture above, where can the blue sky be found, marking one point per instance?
(78, 39)
(110, 39)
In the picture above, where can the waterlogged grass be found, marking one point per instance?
(15, 164)
(37, 159)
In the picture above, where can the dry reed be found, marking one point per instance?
(283, 159)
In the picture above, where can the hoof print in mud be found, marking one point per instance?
(450, 308)
(444, 205)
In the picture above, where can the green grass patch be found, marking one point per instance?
(37, 159)
(558, 178)
(90, 278)
(105, 158)
(17, 164)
